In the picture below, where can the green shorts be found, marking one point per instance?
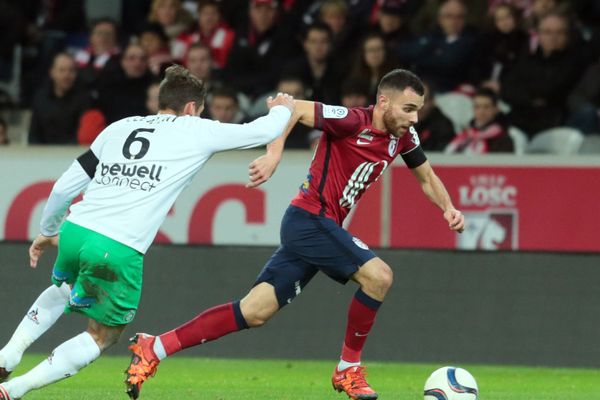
(105, 275)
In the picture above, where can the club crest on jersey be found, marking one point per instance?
(414, 136)
(360, 243)
(392, 147)
(336, 112)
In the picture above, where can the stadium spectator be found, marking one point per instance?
(537, 86)
(171, 15)
(355, 93)
(373, 62)
(392, 22)
(427, 16)
(290, 84)
(211, 30)
(122, 91)
(152, 98)
(435, 129)
(299, 136)
(584, 102)
(444, 55)
(155, 42)
(335, 14)
(317, 69)
(499, 47)
(223, 106)
(102, 49)
(259, 50)
(3, 132)
(488, 130)
(12, 32)
(523, 6)
(99, 267)
(354, 151)
(200, 63)
(58, 105)
(57, 22)
(533, 15)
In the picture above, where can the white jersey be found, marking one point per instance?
(143, 164)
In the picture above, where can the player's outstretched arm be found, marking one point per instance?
(435, 190)
(71, 183)
(263, 167)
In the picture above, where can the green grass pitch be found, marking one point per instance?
(219, 379)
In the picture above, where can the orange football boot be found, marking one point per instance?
(352, 381)
(143, 363)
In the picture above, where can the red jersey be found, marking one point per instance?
(351, 155)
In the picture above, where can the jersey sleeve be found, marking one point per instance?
(72, 182)
(411, 150)
(259, 132)
(337, 121)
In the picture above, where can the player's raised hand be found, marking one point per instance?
(456, 220)
(282, 99)
(261, 170)
(38, 246)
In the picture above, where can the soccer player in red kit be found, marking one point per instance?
(356, 147)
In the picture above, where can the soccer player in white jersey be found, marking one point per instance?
(131, 176)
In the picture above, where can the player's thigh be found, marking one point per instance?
(66, 267)
(321, 242)
(287, 273)
(109, 285)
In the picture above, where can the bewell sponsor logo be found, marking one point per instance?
(136, 177)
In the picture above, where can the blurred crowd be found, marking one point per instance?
(529, 64)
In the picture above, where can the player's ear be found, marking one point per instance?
(189, 108)
(383, 101)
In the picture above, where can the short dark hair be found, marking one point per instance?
(400, 79)
(156, 29)
(226, 91)
(318, 26)
(487, 92)
(208, 3)
(355, 87)
(179, 88)
(104, 20)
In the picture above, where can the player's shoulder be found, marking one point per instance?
(341, 112)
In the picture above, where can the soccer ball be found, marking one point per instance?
(451, 383)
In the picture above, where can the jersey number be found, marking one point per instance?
(359, 182)
(131, 139)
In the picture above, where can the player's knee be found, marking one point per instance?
(104, 337)
(257, 318)
(379, 280)
(385, 277)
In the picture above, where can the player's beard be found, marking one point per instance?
(391, 125)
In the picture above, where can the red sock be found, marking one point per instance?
(209, 325)
(361, 317)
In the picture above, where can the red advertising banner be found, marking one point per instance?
(510, 203)
(506, 208)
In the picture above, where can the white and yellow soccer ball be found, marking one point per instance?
(451, 383)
